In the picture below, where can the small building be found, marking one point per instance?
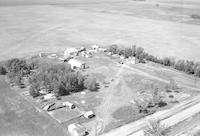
(69, 105)
(131, 60)
(122, 57)
(61, 59)
(86, 54)
(103, 49)
(48, 106)
(89, 114)
(26, 93)
(76, 129)
(43, 92)
(52, 56)
(76, 64)
(109, 53)
(49, 96)
(95, 47)
(71, 52)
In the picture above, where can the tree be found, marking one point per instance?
(90, 84)
(197, 70)
(179, 65)
(33, 65)
(155, 128)
(142, 105)
(2, 70)
(15, 65)
(133, 48)
(189, 67)
(33, 91)
(157, 98)
(139, 52)
(59, 78)
(172, 84)
(168, 61)
(114, 49)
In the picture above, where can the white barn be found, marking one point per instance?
(76, 64)
(71, 51)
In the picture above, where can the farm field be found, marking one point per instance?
(162, 27)
(162, 31)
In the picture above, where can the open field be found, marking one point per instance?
(27, 29)
(162, 27)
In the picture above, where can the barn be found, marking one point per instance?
(70, 52)
(76, 64)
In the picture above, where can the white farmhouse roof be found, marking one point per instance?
(76, 63)
(70, 51)
(49, 96)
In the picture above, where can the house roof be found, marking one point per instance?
(70, 50)
(89, 113)
(75, 62)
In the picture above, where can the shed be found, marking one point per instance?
(49, 96)
(48, 106)
(89, 114)
(76, 64)
(76, 129)
(69, 105)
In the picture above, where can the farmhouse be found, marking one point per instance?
(86, 54)
(77, 130)
(70, 52)
(76, 64)
(131, 60)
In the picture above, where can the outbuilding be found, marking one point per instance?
(76, 129)
(76, 64)
(89, 114)
(49, 96)
(71, 52)
(69, 105)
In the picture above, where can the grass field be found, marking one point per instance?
(163, 31)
